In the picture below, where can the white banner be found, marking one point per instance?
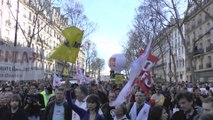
(21, 63)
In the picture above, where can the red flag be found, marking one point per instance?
(144, 79)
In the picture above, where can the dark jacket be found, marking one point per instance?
(107, 110)
(179, 115)
(84, 115)
(50, 109)
(7, 115)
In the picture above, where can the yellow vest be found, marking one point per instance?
(43, 93)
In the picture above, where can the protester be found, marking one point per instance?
(108, 109)
(120, 112)
(93, 106)
(204, 116)
(59, 108)
(32, 105)
(208, 105)
(139, 109)
(81, 93)
(102, 95)
(187, 111)
(13, 111)
(158, 113)
(158, 96)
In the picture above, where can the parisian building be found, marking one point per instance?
(199, 34)
(38, 22)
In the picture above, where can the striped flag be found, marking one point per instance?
(135, 70)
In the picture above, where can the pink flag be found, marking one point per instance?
(135, 70)
(56, 80)
(80, 76)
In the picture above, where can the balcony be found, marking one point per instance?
(209, 48)
(208, 65)
(200, 66)
(198, 51)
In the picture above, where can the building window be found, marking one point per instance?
(209, 59)
(201, 45)
(208, 41)
(30, 16)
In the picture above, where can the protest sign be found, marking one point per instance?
(21, 63)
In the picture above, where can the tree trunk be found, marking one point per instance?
(174, 68)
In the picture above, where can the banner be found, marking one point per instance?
(20, 63)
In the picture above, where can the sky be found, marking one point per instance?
(114, 19)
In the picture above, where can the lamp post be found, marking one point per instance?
(16, 27)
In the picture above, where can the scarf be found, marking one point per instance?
(142, 115)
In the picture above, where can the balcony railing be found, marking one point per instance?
(200, 66)
(208, 65)
(209, 48)
(199, 51)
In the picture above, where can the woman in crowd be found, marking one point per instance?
(157, 113)
(93, 106)
(14, 111)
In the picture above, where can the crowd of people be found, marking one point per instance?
(39, 100)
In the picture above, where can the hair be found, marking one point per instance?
(60, 89)
(155, 113)
(35, 85)
(204, 116)
(123, 106)
(208, 100)
(92, 98)
(16, 97)
(83, 89)
(185, 95)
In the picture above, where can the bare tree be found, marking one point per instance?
(75, 12)
(90, 53)
(97, 66)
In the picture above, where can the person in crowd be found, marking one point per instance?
(107, 108)
(93, 106)
(204, 116)
(59, 108)
(81, 96)
(139, 109)
(13, 111)
(46, 95)
(158, 96)
(198, 97)
(102, 96)
(157, 113)
(32, 104)
(186, 103)
(208, 105)
(120, 112)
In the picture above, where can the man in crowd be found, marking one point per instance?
(139, 110)
(208, 105)
(120, 112)
(158, 97)
(59, 108)
(102, 95)
(107, 108)
(187, 111)
(81, 96)
(32, 104)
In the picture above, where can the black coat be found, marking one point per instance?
(7, 115)
(179, 115)
(50, 109)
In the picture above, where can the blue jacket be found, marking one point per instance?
(84, 115)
